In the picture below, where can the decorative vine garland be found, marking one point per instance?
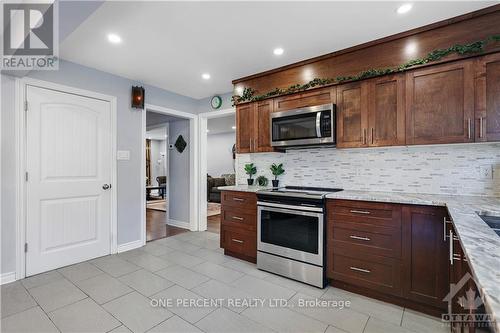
(248, 94)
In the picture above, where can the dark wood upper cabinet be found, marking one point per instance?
(440, 104)
(386, 111)
(245, 117)
(305, 99)
(487, 100)
(352, 115)
(425, 255)
(263, 110)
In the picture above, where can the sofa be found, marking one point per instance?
(213, 193)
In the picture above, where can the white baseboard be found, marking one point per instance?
(129, 246)
(177, 223)
(7, 277)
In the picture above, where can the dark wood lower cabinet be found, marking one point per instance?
(238, 234)
(396, 253)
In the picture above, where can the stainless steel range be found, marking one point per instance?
(291, 232)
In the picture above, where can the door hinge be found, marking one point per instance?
(25, 247)
(25, 105)
(26, 176)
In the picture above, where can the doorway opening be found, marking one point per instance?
(169, 144)
(217, 163)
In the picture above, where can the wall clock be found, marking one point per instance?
(216, 102)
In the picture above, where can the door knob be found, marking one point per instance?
(106, 186)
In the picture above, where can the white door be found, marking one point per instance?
(68, 158)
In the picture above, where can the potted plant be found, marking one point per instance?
(250, 170)
(262, 181)
(277, 170)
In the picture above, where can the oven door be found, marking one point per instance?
(291, 233)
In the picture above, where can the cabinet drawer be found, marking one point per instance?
(367, 239)
(368, 271)
(240, 200)
(372, 213)
(239, 241)
(238, 218)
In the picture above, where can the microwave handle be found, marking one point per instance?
(318, 124)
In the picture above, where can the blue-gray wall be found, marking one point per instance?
(129, 179)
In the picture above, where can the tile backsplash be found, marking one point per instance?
(460, 169)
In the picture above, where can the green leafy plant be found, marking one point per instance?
(262, 181)
(250, 170)
(277, 170)
(249, 94)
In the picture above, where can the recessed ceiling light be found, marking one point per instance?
(278, 51)
(404, 8)
(205, 76)
(114, 38)
(234, 127)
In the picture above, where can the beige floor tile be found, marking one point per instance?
(216, 289)
(211, 256)
(83, 316)
(121, 329)
(41, 279)
(226, 321)
(188, 312)
(183, 259)
(156, 249)
(261, 288)
(149, 262)
(115, 266)
(375, 325)
(145, 282)
(245, 267)
(56, 294)
(135, 312)
(218, 272)
(15, 299)
(103, 288)
(32, 320)
(180, 245)
(420, 322)
(80, 271)
(295, 285)
(175, 325)
(182, 276)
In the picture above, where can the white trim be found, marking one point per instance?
(202, 175)
(130, 246)
(7, 277)
(193, 168)
(20, 129)
(180, 224)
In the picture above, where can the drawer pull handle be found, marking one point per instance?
(238, 199)
(237, 241)
(359, 270)
(237, 218)
(360, 238)
(360, 212)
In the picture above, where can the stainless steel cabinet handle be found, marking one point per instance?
(451, 247)
(360, 238)
(237, 240)
(237, 218)
(359, 270)
(238, 199)
(444, 228)
(481, 127)
(359, 212)
(469, 128)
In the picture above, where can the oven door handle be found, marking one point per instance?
(289, 208)
(290, 211)
(318, 124)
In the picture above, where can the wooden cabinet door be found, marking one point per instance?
(386, 113)
(305, 99)
(352, 115)
(425, 255)
(262, 134)
(487, 100)
(245, 128)
(440, 104)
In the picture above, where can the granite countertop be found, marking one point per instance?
(480, 243)
(244, 188)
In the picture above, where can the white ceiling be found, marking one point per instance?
(170, 44)
(221, 125)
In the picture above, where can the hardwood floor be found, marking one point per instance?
(156, 227)
(213, 224)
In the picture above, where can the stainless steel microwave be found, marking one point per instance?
(309, 126)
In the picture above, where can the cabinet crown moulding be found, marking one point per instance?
(474, 48)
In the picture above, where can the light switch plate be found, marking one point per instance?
(123, 155)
